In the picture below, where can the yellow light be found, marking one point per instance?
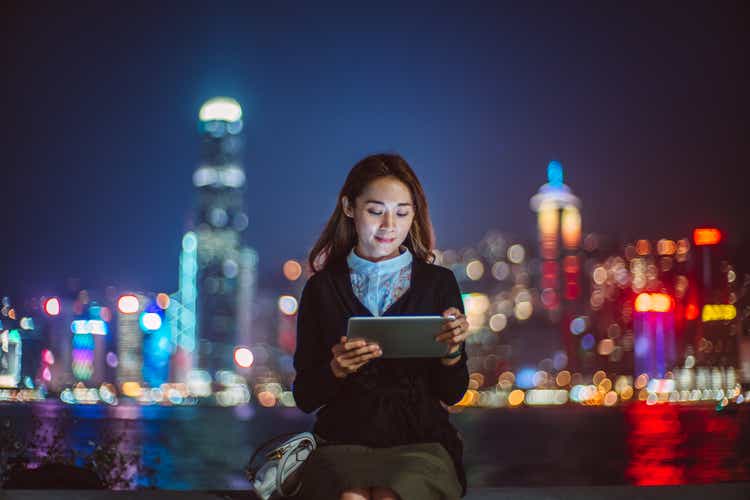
(132, 389)
(563, 378)
(598, 377)
(643, 302)
(476, 303)
(523, 310)
(600, 275)
(571, 227)
(626, 393)
(661, 302)
(222, 109)
(505, 380)
(610, 399)
(666, 247)
(606, 346)
(516, 397)
(292, 270)
(718, 312)
(475, 270)
(468, 398)
(516, 253)
(498, 322)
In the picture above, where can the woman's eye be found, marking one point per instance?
(373, 212)
(403, 215)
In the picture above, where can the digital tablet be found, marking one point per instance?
(401, 336)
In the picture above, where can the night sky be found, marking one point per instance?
(646, 107)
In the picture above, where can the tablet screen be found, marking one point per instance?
(401, 336)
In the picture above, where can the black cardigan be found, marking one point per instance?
(388, 402)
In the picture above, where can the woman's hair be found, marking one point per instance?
(339, 235)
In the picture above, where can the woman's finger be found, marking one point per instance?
(451, 311)
(370, 349)
(355, 344)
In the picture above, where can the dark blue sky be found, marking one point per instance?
(645, 106)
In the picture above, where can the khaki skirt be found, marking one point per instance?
(421, 471)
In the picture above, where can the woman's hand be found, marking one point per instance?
(453, 334)
(350, 355)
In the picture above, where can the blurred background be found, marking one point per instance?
(166, 169)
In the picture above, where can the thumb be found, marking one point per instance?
(343, 340)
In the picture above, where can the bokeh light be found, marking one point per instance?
(288, 305)
(52, 306)
(128, 304)
(243, 357)
(292, 270)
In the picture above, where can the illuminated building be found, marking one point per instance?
(90, 331)
(130, 338)
(559, 227)
(182, 308)
(10, 358)
(654, 334)
(157, 341)
(225, 277)
(717, 340)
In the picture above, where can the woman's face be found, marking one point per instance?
(382, 215)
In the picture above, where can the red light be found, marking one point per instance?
(52, 306)
(706, 236)
(691, 312)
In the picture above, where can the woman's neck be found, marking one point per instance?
(359, 254)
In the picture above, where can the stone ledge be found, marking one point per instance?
(724, 491)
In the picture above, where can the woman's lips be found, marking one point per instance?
(385, 240)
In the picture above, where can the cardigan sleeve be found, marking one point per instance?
(449, 383)
(314, 383)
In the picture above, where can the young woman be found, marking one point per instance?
(382, 424)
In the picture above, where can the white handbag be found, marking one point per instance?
(280, 472)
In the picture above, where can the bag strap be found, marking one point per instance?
(250, 471)
(305, 442)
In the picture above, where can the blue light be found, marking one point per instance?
(93, 326)
(189, 242)
(525, 378)
(150, 321)
(588, 342)
(555, 173)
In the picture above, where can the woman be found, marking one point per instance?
(382, 424)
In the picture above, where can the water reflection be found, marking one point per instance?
(674, 445)
(207, 448)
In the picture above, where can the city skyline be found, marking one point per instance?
(98, 184)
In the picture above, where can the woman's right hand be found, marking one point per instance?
(350, 355)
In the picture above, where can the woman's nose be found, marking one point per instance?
(388, 220)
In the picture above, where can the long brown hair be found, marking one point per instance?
(339, 235)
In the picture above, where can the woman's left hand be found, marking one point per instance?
(455, 331)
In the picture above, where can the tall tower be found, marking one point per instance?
(226, 269)
(559, 225)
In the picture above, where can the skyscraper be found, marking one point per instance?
(559, 224)
(226, 269)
